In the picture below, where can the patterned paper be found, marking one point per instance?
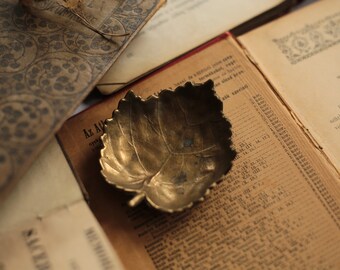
(48, 67)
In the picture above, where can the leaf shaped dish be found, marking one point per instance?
(170, 148)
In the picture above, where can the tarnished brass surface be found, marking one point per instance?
(170, 148)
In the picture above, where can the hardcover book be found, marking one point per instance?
(279, 205)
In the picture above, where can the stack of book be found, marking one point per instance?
(278, 207)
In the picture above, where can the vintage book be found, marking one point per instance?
(183, 25)
(279, 205)
(307, 77)
(48, 66)
(46, 224)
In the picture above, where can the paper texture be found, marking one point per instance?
(300, 56)
(69, 238)
(47, 68)
(47, 185)
(177, 28)
(46, 224)
(262, 215)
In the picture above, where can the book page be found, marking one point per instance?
(47, 224)
(178, 27)
(300, 56)
(278, 206)
(47, 185)
(67, 238)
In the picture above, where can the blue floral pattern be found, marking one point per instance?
(47, 68)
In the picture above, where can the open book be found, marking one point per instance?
(181, 26)
(279, 205)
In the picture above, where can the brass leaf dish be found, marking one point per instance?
(170, 148)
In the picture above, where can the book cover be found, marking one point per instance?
(48, 67)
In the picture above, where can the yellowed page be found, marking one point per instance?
(300, 55)
(177, 28)
(68, 238)
(277, 208)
